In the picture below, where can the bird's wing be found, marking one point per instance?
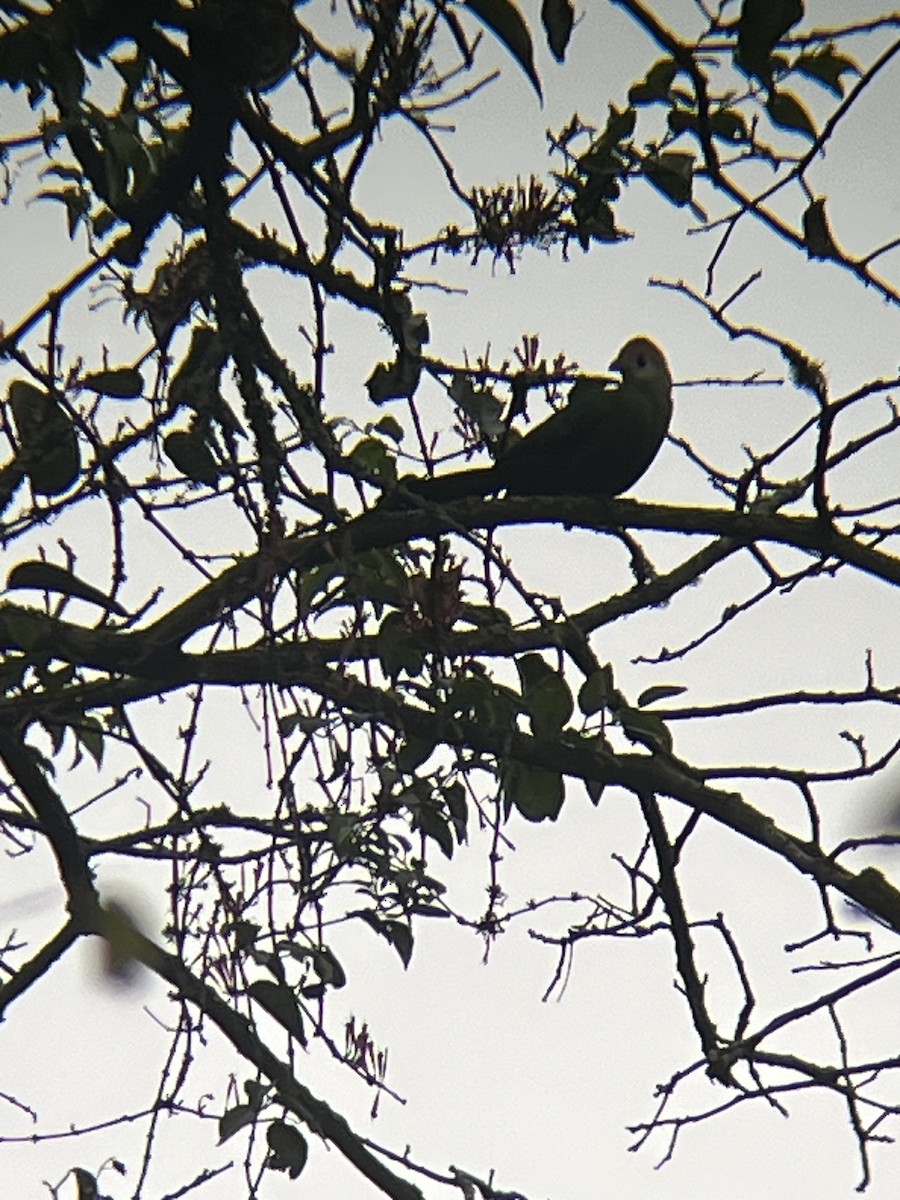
(599, 444)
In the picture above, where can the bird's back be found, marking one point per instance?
(599, 444)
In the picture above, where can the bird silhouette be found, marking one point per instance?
(599, 444)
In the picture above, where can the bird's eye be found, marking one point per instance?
(642, 360)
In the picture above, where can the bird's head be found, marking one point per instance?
(642, 361)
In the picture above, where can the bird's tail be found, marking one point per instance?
(455, 485)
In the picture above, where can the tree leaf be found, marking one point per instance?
(289, 1148)
(826, 66)
(398, 647)
(817, 231)
(656, 83)
(729, 125)
(413, 753)
(537, 794)
(660, 691)
(245, 933)
(505, 20)
(47, 440)
(619, 127)
(374, 457)
(87, 1184)
(395, 381)
(89, 733)
(328, 967)
(548, 699)
(480, 406)
(786, 111)
(671, 173)
(49, 577)
(235, 1119)
(280, 1002)
(188, 451)
(124, 383)
(596, 692)
(390, 427)
(399, 935)
(761, 25)
(683, 120)
(454, 796)
(646, 728)
(594, 790)
(316, 580)
(434, 824)
(558, 17)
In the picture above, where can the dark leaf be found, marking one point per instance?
(235, 1119)
(619, 128)
(395, 381)
(434, 824)
(661, 691)
(455, 798)
(596, 691)
(280, 1002)
(594, 790)
(189, 452)
(256, 1093)
(47, 439)
(89, 734)
(399, 935)
(504, 18)
(537, 794)
(390, 427)
(124, 383)
(324, 962)
(596, 225)
(87, 1184)
(646, 728)
(245, 933)
(761, 26)
(427, 910)
(374, 457)
(316, 581)
(817, 232)
(826, 67)
(671, 173)
(547, 697)
(683, 120)
(786, 111)
(289, 1149)
(656, 83)
(50, 578)
(329, 968)
(729, 125)
(412, 754)
(398, 647)
(558, 17)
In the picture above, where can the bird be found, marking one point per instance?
(48, 444)
(599, 444)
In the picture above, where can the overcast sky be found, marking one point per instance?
(497, 1079)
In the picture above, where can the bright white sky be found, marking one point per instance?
(540, 1093)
